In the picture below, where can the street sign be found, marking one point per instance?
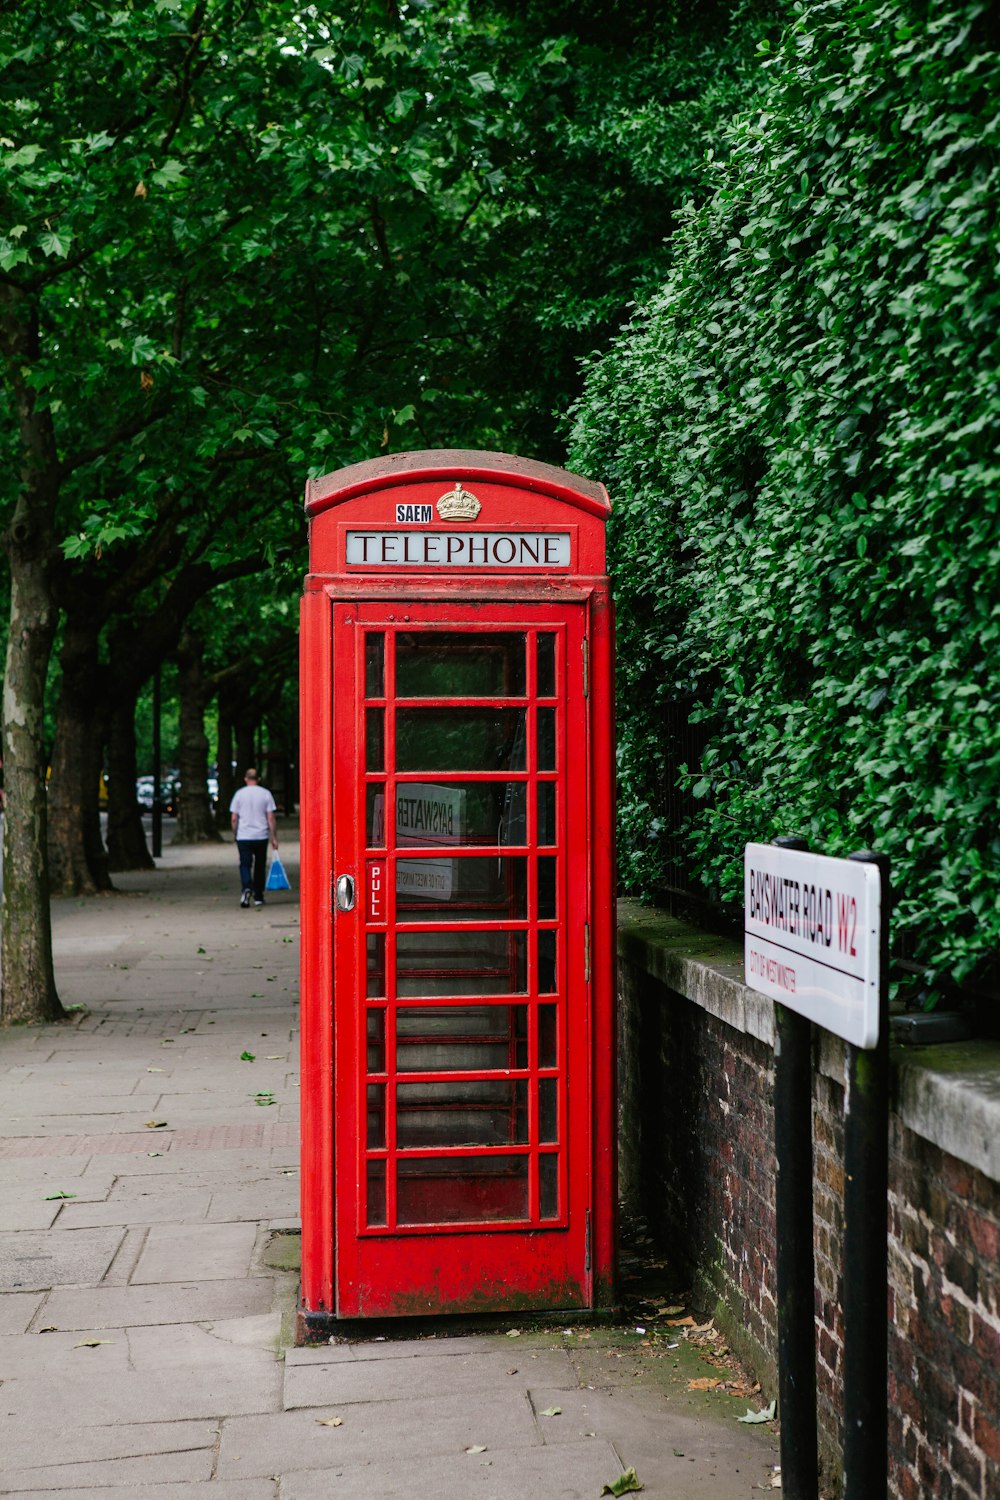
(811, 937)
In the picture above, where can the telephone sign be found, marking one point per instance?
(458, 1109)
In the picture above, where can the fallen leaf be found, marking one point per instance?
(513, 1333)
(247, 1057)
(625, 1484)
(551, 1411)
(155, 1070)
(155, 1124)
(670, 1312)
(476, 1448)
(329, 1421)
(51, 1197)
(767, 1414)
(49, 1328)
(705, 1383)
(92, 1343)
(681, 1323)
(678, 1452)
(275, 1056)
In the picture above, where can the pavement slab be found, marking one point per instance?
(17, 1310)
(177, 1302)
(239, 1489)
(477, 1372)
(34, 1262)
(570, 1474)
(196, 1252)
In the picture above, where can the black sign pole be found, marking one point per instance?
(796, 1275)
(866, 1193)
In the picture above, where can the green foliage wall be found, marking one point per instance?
(800, 433)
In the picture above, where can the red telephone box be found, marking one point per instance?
(458, 1036)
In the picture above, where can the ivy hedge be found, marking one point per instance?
(800, 434)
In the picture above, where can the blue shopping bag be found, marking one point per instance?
(277, 880)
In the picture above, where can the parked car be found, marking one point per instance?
(168, 795)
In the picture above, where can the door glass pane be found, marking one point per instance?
(547, 1036)
(374, 666)
(375, 815)
(376, 1192)
(374, 739)
(461, 890)
(546, 963)
(375, 945)
(376, 1040)
(546, 739)
(460, 1038)
(476, 1112)
(459, 739)
(547, 812)
(376, 1116)
(442, 664)
(457, 1190)
(548, 1116)
(546, 887)
(456, 812)
(548, 1185)
(546, 664)
(461, 963)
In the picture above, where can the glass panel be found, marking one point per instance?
(456, 1190)
(374, 666)
(459, 739)
(547, 1037)
(546, 739)
(546, 662)
(548, 1184)
(446, 665)
(456, 812)
(548, 1110)
(376, 1116)
(376, 1192)
(477, 1112)
(460, 1038)
(376, 1040)
(546, 887)
(547, 812)
(461, 890)
(460, 963)
(375, 815)
(375, 986)
(374, 739)
(546, 963)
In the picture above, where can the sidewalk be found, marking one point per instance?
(148, 1217)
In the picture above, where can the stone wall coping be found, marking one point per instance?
(948, 1093)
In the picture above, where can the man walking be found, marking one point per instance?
(252, 812)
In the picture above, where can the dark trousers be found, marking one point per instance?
(253, 865)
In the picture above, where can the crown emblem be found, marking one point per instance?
(458, 505)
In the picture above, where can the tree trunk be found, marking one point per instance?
(224, 762)
(245, 752)
(29, 988)
(78, 864)
(127, 848)
(28, 980)
(194, 814)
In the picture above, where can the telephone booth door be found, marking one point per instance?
(462, 1057)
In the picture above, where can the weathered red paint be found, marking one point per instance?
(415, 1245)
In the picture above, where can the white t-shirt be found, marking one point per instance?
(252, 805)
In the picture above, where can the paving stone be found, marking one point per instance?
(396, 1430)
(66, 1444)
(149, 1208)
(397, 1379)
(236, 1489)
(34, 1262)
(29, 1215)
(196, 1252)
(17, 1310)
(577, 1473)
(265, 1200)
(135, 1306)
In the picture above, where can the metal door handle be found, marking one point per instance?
(345, 892)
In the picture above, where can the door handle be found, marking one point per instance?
(345, 892)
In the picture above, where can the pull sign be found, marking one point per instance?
(376, 891)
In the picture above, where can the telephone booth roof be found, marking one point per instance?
(446, 463)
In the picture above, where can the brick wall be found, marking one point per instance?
(697, 1160)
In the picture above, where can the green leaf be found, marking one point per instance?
(626, 1484)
